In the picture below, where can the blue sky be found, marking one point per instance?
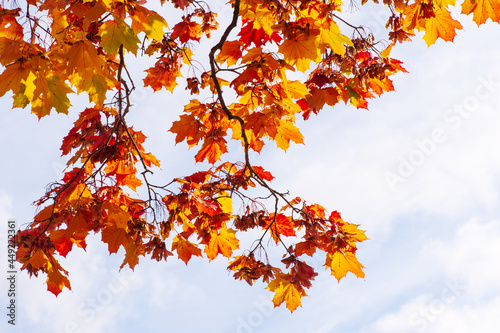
(420, 172)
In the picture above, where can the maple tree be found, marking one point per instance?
(51, 49)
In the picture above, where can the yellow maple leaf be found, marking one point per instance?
(442, 25)
(295, 89)
(148, 21)
(115, 33)
(57, 94)
(262, 19)
(444, 3)
(79, 194)
(286, 292)
(340, 263)
(286, 132)
(482, 10)
(301, 51)
(352, 234)
(330, 35)
(411, 14)
(96, 87)
(226, 202)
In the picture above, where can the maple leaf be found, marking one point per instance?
(96, 87)
(116, 215)
(115, 237)
(286, 291)
(162, 75)
(306, 247)
(295, 89)
(340, 263)
(13, 76)
(330, 35)
(56, 281)
(412, 12)
(282, 226)
(221, 242)
(38, 260)
(253, 32)
(319, 97)
(352, 234)
(187, 30)
(230, 52)
(442, 25)
(148, 21)
(206, 206)
(56, 94)
(379, 86)
(9, 27)
(62, 244)
(10, 49)
(482, 10)
(77, 194)
(115, 33)
(185, 249)
(287, 132)
(300, 51)
(266, 175)
(134, 250)
(84, 60)
(213, 147)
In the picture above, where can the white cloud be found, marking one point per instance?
(469, 294)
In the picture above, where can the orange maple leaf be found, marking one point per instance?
(84, 60)
(230, 52)
(162, 75)
(38, 260)
(306, 247)
(115, 237)
(56, 281)
(134, 250)
(482, 10)
(213, 147)
(185, 249)
(223, 242)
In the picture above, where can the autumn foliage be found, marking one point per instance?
(269, 63)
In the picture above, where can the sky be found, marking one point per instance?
(419, 171)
